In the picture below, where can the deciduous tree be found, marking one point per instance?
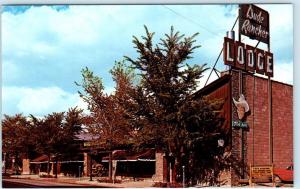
(49, 135)
(108, 117)
(55, 134)
(16, 139)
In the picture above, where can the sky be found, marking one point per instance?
(44, 48)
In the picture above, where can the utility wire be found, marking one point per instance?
(190, 20)
(196, 23)
(220, 54)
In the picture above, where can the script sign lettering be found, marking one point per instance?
(254, 23)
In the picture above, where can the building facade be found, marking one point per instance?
(264, 136)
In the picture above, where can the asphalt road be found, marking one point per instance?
(27, 183)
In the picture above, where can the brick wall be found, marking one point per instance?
(26, 165)
(282, 124)
(256, 141)
(159, 167)
(255, 90)
(257, 137)
(86, 164)
(236, 134)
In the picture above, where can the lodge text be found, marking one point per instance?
(247, 58)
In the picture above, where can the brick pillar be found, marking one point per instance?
(58, 168)
(159, 167)
(114, 169)
(236, 133)
(239, 136)
(249, 120)
(52, 165)
(26, 167)
(86, 164)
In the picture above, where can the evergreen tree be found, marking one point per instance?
(166, 113)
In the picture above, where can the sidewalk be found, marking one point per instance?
(125, 184)
(85, 181)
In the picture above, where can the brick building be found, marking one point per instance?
(268, 137)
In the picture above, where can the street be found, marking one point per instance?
(29, 183)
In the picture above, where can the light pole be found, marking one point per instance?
(183, 176)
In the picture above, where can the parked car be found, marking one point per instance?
(284, 175)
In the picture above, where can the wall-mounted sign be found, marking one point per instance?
(247, 58)
(239, 124)
(241, 106)
(254, 23)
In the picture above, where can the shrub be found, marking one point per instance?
(107, 180)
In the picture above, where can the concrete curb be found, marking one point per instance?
(85, 182)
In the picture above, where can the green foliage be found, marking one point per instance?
(93, 89)
(167, 84)
(166, 113)
(156, 108)
(108, 117)
(16, 138)
(72, 125)
(108, 121)
(74, 119)
(52, 135)
(55, 133)
(48, 133)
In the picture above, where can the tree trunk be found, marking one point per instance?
(110, 166)
(168, 168)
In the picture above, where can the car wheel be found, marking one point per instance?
(277, 181)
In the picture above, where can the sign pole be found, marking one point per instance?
(270, 115)
(242, 130)
(253, 117)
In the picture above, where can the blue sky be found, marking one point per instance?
(45, 47)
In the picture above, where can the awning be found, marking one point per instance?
(124, 156)
(44, 159)
(41, 159)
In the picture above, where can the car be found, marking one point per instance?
(284, 175)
